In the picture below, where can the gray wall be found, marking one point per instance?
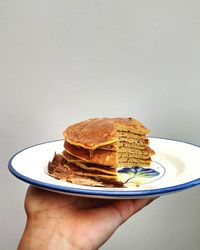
(65, 61)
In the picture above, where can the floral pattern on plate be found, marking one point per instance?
(136, 176)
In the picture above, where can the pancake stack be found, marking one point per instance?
(95, 149)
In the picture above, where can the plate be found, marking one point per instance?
(175, 163)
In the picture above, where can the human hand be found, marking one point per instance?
(57, 222)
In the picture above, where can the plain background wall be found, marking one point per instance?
(65, 61)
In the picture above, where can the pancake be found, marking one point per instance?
(60, 169)
(108, 158)
(98, 156)
(71, 158)
(97, 132)
(88, 166)
(94, 168)
(94, 150)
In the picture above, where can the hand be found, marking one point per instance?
(58, 222)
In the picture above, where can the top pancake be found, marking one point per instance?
(97, 132)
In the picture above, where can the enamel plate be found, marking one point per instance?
(175, 167)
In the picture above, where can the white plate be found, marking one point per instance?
(177, 164)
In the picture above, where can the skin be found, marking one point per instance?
(57, 222)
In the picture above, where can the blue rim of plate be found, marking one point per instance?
(102, 193)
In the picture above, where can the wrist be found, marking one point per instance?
(39, 236)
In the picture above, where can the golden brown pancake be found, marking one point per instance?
(108, 158)
(71, 158)
(89, 166)
(98, 156)
(60, 169)
(95, 148)
(97, 132)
